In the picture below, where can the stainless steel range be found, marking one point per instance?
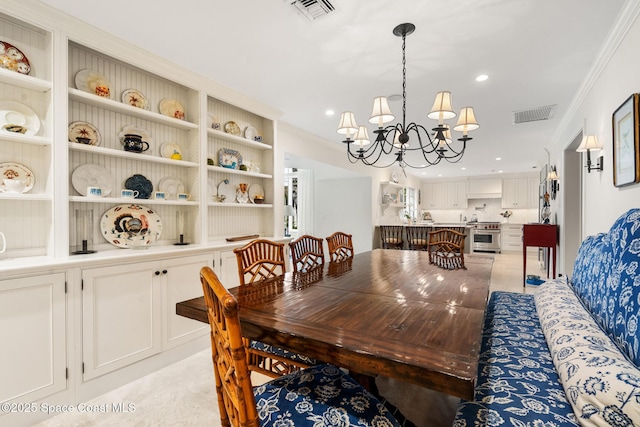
(485, 237)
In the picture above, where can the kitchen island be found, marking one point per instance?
(377, 242)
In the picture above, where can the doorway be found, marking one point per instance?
(572, 204)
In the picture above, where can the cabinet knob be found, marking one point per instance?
(157, 273)
(164, 271)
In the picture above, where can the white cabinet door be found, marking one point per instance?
(515, 193)
(120, 316)
(227, 269)
(181, 282)
(33, 336)
(434, 195)
(455, 195)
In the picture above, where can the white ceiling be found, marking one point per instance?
(536, 53)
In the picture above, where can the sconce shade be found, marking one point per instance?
(552, 175)
(381, 113)
(466, 121)
(347, 124)
(589, 142)
(442, 107)
(362, 137)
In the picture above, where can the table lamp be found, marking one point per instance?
(288, 211)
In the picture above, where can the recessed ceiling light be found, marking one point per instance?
(463, 168)
(482, 77)
(498, 158)
(329, 113)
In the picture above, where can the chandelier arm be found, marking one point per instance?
(395, 139)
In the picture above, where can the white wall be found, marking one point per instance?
(616, 79)
(343, 205)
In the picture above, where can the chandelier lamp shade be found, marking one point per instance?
(393, 142)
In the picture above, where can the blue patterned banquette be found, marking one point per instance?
(569, 354)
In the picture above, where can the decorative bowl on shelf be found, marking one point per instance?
(258, 200)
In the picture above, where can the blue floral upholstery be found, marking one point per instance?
(572, 354)
(601, 384)
(257, 345)
(605, 277)
(321, 396)
(517, 382)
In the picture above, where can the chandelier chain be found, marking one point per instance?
(404, 82)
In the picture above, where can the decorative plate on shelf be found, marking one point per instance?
(255, 190)
(250, 133)
(228, 191)
(232, 128)
(84, 133)
(11, 170)
(228, 158)
(214, 122)
(123, 224)
(93, 82)
(171, 187)
(170, 150)
(172, 108)
(91, 175)
(135, 98)
(141, 184)
(13, 59)
(18, 118)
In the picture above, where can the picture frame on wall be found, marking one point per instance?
(626, 146)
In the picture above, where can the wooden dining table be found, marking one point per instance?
(385, 312)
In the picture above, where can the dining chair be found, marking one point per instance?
(418, 237)
(307, 253)
(392, 236)
(319, 395)
(259, 260)
(340, 246)
(446, 249)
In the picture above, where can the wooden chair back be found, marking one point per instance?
(392, 236)
(307, 253)
(418, 237)
(259, 260)
(446, 249)
(340, 246)
(233, 381)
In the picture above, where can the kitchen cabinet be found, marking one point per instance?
(455, 195)
(128, 311)
(444, 195)
(511, 237)
(33, 336)
(515, 193)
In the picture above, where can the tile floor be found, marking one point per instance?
(162, 400)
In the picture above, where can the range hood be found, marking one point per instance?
(489, 188)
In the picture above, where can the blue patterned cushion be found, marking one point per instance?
(605, 277)
(599, 381)
(282, 352)
(320, 396)
(517, 382)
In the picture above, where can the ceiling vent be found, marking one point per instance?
(534, 114)
(313, 9)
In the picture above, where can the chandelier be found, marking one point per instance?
(398, 138)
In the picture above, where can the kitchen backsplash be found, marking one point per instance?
(485, 210)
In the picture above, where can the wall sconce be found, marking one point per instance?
(553, 179)
(590, 143)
